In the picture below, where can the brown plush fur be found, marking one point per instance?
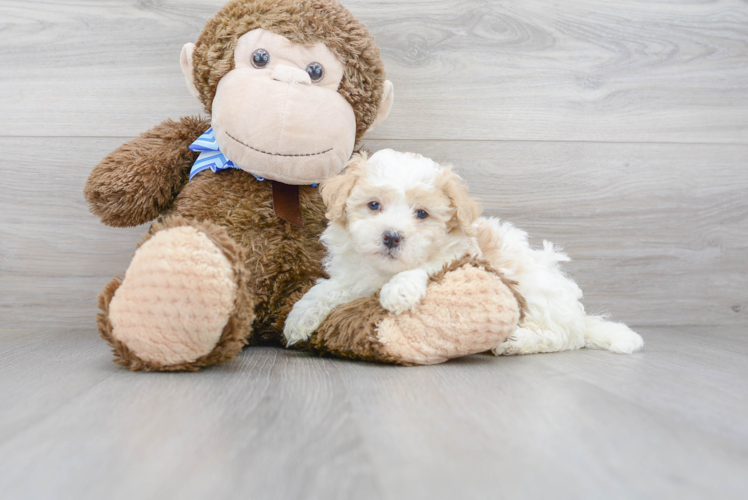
(281, 259)
(350, 331)
(140, 179)
(234, 335)
(147, 177)
(303, 22)
(273, 261)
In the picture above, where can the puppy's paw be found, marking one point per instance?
(522, 341)
(404, 291)
(302, 321)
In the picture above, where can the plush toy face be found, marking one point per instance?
(278, 113)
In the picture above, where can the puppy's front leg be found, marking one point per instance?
(404, 291)
(312, 309)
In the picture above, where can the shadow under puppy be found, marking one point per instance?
(398, 218)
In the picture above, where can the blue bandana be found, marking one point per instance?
(210, 156)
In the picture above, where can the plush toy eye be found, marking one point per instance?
(374, 205)
(316, 71)
(260, 58)
(422, 214)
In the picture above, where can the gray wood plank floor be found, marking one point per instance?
(670, 422)
(616, 129)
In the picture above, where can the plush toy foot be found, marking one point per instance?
(183, 302)
(468, 309)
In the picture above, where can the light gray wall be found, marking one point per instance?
(617, 129)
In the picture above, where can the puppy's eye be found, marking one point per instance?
(374, 205)
(316, 71)
(422, 214)
(260, 58)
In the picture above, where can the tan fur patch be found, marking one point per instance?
(357, 204)
(436, 203)
(336, 190)
(467, 208)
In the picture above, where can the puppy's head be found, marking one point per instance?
(398, 209)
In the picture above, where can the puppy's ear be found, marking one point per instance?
(335, 190)
(467, 208)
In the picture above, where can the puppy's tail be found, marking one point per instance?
(616, 337)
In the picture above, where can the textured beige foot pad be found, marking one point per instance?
(468, 309)
(176, 298)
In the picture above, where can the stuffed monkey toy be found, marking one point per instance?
(291, 87)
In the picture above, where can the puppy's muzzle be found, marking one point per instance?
(391, 239)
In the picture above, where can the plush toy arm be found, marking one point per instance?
(468, 308)
(141, 179)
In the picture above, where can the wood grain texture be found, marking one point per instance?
(578, 70)
(658, 233)
(618, 130)
(670, 422)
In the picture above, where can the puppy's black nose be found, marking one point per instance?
(391, 239)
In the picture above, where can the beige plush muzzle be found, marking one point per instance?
(275, 121)
(289, 132)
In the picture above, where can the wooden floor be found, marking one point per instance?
(671, 422)
(616, 129)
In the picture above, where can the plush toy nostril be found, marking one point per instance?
(391, 239)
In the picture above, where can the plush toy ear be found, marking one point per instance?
(335, 190)
(388, 97)
(185, 60)
(467, 208)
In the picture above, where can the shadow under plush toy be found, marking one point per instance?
(291, 88)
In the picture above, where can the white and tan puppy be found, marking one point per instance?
(397, 218)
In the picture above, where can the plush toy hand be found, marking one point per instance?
(139, 180)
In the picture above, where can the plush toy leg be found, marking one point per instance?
(469, 308)
(183, 303)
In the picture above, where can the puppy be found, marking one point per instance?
(397, 218)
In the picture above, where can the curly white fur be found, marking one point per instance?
(402, 186)
(555, 319)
